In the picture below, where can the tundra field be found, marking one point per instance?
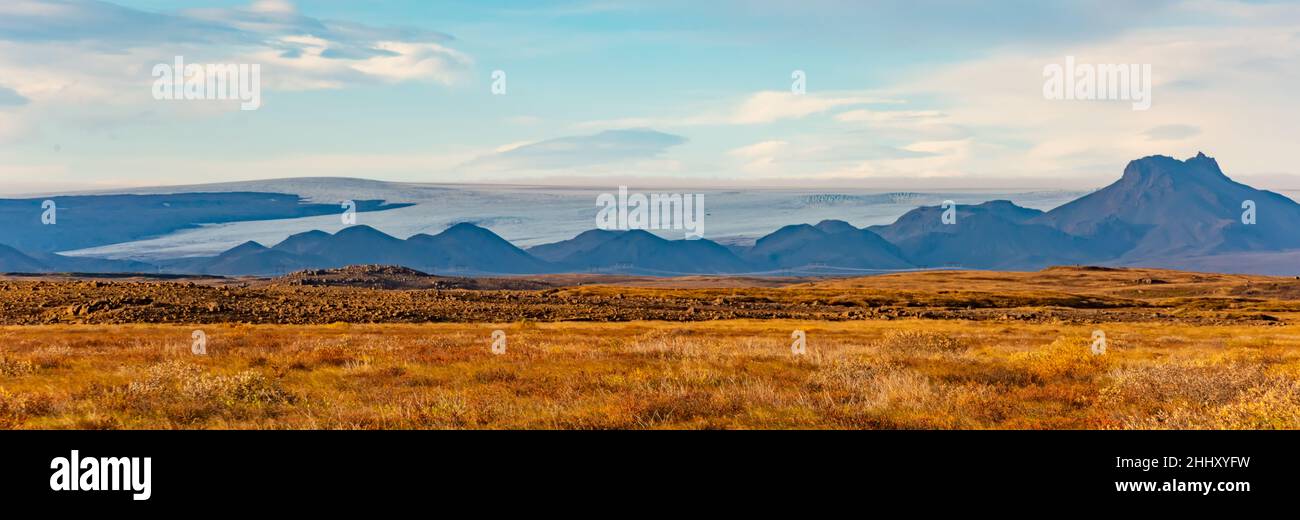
(967, 350)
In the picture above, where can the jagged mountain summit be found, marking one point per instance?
(1163, 208)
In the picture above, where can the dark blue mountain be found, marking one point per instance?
(15, 261)
(84, 221)
(462, 248)
(249, 258)
(466, 248)
(992, 235)
(642, 252)
(1166, 209)
(831, 243)
(583, 243)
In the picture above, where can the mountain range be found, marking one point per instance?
(1161, 213)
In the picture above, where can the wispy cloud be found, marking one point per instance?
(822, 156)
(52, 42)
(1216, 90)
(1171, 132)
(8, 97)
(610, 146)
(86, 64)
(764, 107)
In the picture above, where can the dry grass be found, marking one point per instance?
(725, 374)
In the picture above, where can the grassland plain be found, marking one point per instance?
(901, 373)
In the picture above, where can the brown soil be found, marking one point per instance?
(395, 277)
(379, 294)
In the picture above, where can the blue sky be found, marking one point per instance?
(899, 93)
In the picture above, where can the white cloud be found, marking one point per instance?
(83, 59)
(761, 107)
(890, 116)
(10, 97)
(771, 106)
(272, 6)
(310, 68)
(511, 146)
(1222, 90)
(524, 120)
(1172, 132)
(577, 152)
(759, 157)
(759, 149)
(837, 156)
(931, 159)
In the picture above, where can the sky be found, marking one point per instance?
(899, 94)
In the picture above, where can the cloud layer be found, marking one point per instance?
(578, 152)
(86, 51)
(899, 89)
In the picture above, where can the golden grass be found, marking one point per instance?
(721, 374)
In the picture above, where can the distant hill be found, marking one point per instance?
(462, 248)
(993, 235)
(583, 243)
(470, 249)
(15, 261)
(832, 243)
(928, 219)
(249, 258)
(84, 221)
(641, 252)
(351, 245)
